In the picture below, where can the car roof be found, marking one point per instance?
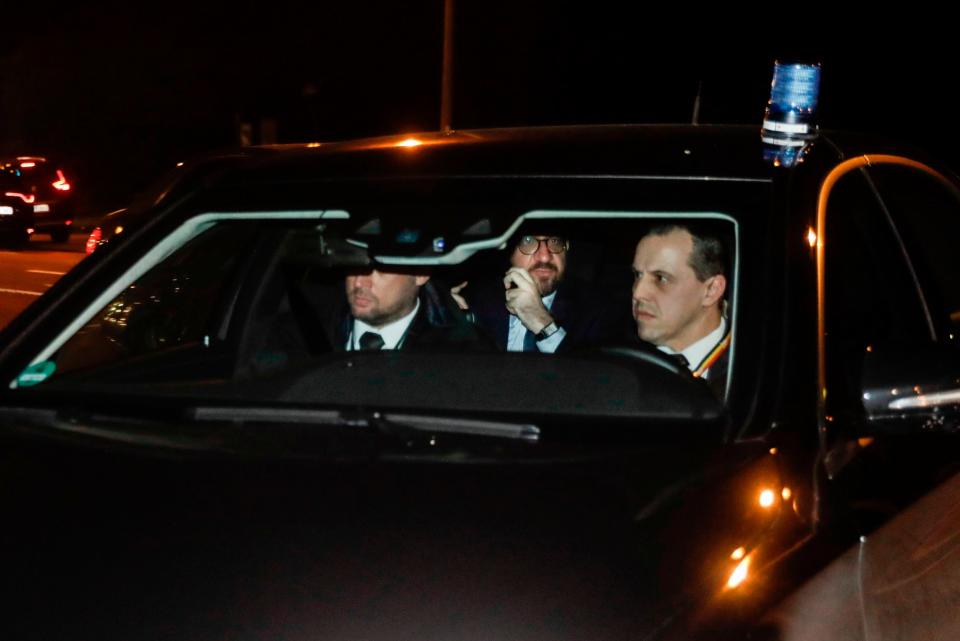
(614, 150)
(733, 152)
(683, 152)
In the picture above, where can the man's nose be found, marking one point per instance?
(363, 281)
(543, 252)
(640, 288)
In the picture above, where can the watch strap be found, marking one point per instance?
(548, 331)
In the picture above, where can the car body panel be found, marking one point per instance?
(901, 582)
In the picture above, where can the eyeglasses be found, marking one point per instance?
(529, 245)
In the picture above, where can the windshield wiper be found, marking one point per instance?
(387, 422)
(289, 415)
(297, 431)
(448, 425)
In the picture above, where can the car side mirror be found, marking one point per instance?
(911, 388)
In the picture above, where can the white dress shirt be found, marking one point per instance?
(518, 331)
(392, 333)
(696, 352)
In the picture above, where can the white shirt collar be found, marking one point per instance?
(699, 350)
(392, 333)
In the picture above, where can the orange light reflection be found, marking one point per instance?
(739, 575)
(767, 498)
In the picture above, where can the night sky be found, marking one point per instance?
(119, 92)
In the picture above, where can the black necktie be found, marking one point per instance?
(680, 359)
(371, 342)
(530, 342)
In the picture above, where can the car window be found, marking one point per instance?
(870, 292)
(927, 216)
(261, 302)
(172, 306)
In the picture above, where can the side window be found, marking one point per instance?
(927, 216)
(870, 292)
(172, 305)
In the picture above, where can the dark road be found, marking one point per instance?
(27, 273)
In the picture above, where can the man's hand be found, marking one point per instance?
(523, 299)
(461, 301)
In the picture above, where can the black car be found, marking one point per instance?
(43, 186)
(191, 452)
(16, 215)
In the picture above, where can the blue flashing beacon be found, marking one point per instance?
(789, 123)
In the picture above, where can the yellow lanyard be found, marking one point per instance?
(712, 357)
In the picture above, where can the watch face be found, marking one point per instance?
(547, 331)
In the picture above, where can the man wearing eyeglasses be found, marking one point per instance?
(538, 309)
(537, 268)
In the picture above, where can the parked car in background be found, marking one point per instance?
(16, 215)
(106, 228)
(43, 186)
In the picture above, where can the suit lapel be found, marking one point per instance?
(560, 307)
(341, 332)
(502, 324)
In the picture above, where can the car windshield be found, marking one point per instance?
(475, 301)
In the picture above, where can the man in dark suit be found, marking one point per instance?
(678, 299)
(399, 310)
(536, 308)
(372, 309)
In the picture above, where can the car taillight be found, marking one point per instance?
(93, 240)
(27, 198)
(61, 183)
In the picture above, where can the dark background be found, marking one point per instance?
(118, 92)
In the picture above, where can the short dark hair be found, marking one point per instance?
(709, 255)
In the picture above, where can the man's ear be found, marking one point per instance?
(716, 286)
(421, 280)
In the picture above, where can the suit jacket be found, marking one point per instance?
(717, 375)
(309, 322)
(588, 317)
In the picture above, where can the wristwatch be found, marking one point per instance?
(547, 331)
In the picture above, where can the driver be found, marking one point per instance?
(678, 299)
